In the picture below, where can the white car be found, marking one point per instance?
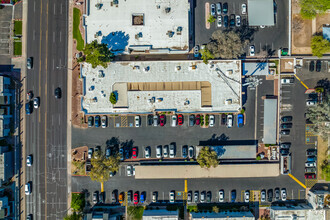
(252, 51)
(159, 152)
(36, 102)
(219, 21)
(212, 120)
(147, 152)
(172, 196)
(310, 164)
(104, 121)
(247, 196)
(129, 170)
(283, 194)
(133, 170)
(238, 20)
(311, 102)
(174, 120)
(29, 160)
(212, 9)
(243, 9)
(137, 121)
(28, 188)
(90, 153)
(287, 80)
(218, 8)
(263, 196)
(165, 151)
(221, 195)
(203, 197)
(172, 151)
(229, 121)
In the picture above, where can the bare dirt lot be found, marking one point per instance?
(301, 35)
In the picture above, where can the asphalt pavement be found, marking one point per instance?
(46, 126)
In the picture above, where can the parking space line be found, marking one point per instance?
(295, 179)
(301, 81)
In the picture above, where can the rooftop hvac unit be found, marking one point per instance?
(229, 72)
(228, 102)
(167, 9)
(159, 99)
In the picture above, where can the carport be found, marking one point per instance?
(261, 12)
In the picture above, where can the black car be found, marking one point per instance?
(28, 108)
(29, 217)
(101, 197)
(58, 93)
(232, 20)
(185, 151)
(90, 121)
(29, 63)
(277, 194)
(150, 120)
(285, 132)
(97, 121)
(225, 8)
(311, 66)
(225, 21)
(318, 65)
(114, 196)
(311, 152)
(127, 153)
(223, 119)
(208, 196)
(284, 151)
(191, 120)
(286, 119)
(286, 125)
(270, 195)
(285, 145)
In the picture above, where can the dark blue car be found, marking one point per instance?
(233, 195)
(97, 121)
(225, 21)
(121, 153)
(240, 120)
(28, 108)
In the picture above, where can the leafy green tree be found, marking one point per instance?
(326, 170)
(310, 8)
(73, 216)
(101, 166)
(227, 44)
(319, 89)
(96, 54)
(206, 55)
(320, 46)
(135, 212)
(211, 19)
(113, 98)
(207, 158)
(319, 115)
(78, 201)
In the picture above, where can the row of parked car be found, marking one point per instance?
(310, 165)
(286, 124)
(318, 66)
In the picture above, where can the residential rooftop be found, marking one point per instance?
(139, 25)
(147, 87)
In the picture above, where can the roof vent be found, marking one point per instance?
(168, 10)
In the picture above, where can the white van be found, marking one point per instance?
(174, 120)
(172, 151)
(159, 152)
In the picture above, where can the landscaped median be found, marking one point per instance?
(17, 35)
(76, 31)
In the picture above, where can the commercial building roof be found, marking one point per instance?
(326, 32)
(234, 151)
(145, 87)
(270, 119)
(195, 171)
(139, 25)
(255, 69)
(261, 12)
(228, 215)
(160, 214)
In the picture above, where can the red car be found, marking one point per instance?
(198, 119)
(180, 119)
(134, 152)
(136, 198)
(310, 176)
(162, 120)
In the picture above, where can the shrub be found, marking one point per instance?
(258, 158)
(113, 98)
(211, 19)
(242, 111)
(78, 201)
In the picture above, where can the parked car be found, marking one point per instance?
(286, 125)
(311, 152)
(240, 120)
(58, 93)
(247, 196)
(104, 121)
(114, 196)
(136, 198)
(285, 145)
(90, 153)
(129, 196)
(147, 152)
(218, 8)
(28, 188)
(213, 9)
(137, 121)
(221, 195)
(108, 153)
(196, 51)
(285, 132)
(225, 21)
(232, 20)
(129, 170)
(97, 151)
(97, 121)
(198, 119)
(310, 170)
(229, 121)
(223, 119)
(121, 153)
(196, 196)
(155, 120)
(263, 196)
(219, 21)
(311, 103)
(172, 151)
(233, 195)
(286, 119)
(154, 196)
(287, 80)
(225, 8)
(143, 197)
(311, 66)
(211, 120)
(29, 217)
(203, 197)
(101, 197)
(29, 95)
(283, 194)
(180, 119)
(36, 102)
(208, 197)
(243, 9)
(134, 152)
(310, 176)
(159, 152)
(150, 120)
(29, 63)
(191, 152)
(284, 151)
(96, 197)
(185, 151)
(189, 197)
(172, 196)
(270, 195)
(238, 20)
(318, 65)
(311, 159)
(277, 194)
(29, 160)
(191, 120)
(121, 198)
(252, 53)
(162, 120)
(310, 164)
(127, 153)
(165, 151)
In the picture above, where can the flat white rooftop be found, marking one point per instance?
(160, 24)
(146, 87)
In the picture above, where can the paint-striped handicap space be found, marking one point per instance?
(310, 182)
(120, 121)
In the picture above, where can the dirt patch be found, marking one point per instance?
(79, 156)
(322, 20)
(301, 34)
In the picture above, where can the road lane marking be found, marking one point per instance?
(34, 6)
(102, 187)
(295, 179)
(301, 81)
(60, 36)
(53, 63)
(54, 9)
(61, 8)
(53, 36)
(185, 186)
(40, 53)
(34, 35)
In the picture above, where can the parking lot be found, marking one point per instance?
(266, 40)
(5, 30)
